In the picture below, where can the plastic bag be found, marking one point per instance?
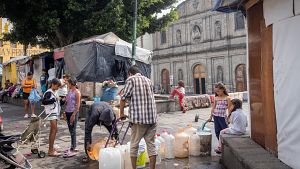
(34, 96)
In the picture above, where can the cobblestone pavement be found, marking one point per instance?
(15, 124)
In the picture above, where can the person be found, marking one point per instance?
(27, 84)
(7, 84)
(221, 104)
(71, 114)
(238, 122)
(52, 109)
(44, 81)
(7, 92)
(180, 91)
(138, 92)
(63, 90)
(100, 113)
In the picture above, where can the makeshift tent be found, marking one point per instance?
(104, 57)
(228, 6)
(14, 69)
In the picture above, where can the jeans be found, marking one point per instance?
(72, 129)
(220, 124)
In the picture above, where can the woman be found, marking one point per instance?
(63, 91)
(52, 109)
(71, 114)
(27, 84)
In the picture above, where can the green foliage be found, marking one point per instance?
(57, 23)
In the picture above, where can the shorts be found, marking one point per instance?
(52, 116)
(25, 96)
(232, 132)
(146, 131)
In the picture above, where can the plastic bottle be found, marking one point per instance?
(190, 130)
(127, 159)
(162, 146)
(194, 145)
(157, 145)
(169, 145)
(181, 148)
(141, 158)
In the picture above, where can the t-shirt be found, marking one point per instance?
(182, 90)
(43, 79)
(28, 82)
(239, 121)
(63, 90)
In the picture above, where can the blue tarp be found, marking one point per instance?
(228, 6)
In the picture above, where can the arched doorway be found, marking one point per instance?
(241, 78)
(199, 79)
(165, 81)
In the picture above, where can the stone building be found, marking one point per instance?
(201, 48)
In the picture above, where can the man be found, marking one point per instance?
(100, 113)
(44, 81)
(63, 90)
(138, 92)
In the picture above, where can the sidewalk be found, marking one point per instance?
(15, 124)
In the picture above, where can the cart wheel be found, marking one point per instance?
(42, 154)
(35, 151)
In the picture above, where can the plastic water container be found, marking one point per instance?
(127, 159)
(162, 146)
(181, 146)
(110, 158)
(157, 146)
(169, 141)
(97, 99)
(194, 145)
(141, 158)
(190, 130)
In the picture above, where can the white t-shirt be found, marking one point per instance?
(239, 121)
(63, 91)
(182, 90)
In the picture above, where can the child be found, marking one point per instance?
(52, 109)
(238, 121)
(219, 108)
(180, 91)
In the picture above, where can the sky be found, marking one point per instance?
(168, 10)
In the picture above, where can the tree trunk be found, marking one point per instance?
(25, 47)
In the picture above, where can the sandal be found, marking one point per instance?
(54, 154)
(218, 150)
(69, 154)
(85, 159)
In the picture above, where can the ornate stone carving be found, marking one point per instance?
(178, 37)
(195, 4)
(196, 33)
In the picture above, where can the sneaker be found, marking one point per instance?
(26, 116)
(33, 116)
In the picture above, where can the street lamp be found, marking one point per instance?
(134, 34)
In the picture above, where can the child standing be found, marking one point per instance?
(180, 91)
(219, 108)
(238, 121)
(52, 109)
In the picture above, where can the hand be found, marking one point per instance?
(210, 119)
(123, 116)
(72, 119)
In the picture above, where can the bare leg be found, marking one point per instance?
(26, 107)
(133, 162)
(32, 108)
(221, 133)
(152, 162)
(52, 135)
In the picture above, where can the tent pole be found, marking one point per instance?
(134, 34)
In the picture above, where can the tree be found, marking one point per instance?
(57, 23)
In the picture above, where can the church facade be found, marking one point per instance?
(201, 48)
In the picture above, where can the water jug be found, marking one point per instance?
(190, 130)
(95, 149)
(194, 145)
(181, 144)
(110, 158)
(141, 158)
(205, 143)
(169, 148)
(157, 146)
(127, 159)
(162, 146)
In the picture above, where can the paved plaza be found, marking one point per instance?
(14, 123)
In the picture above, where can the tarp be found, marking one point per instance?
(17, 60)
(286, 35)
(95, 59)
(228, 6)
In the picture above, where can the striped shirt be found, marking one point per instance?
(221, 108)
(142, 109)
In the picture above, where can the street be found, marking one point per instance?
(15, 124)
